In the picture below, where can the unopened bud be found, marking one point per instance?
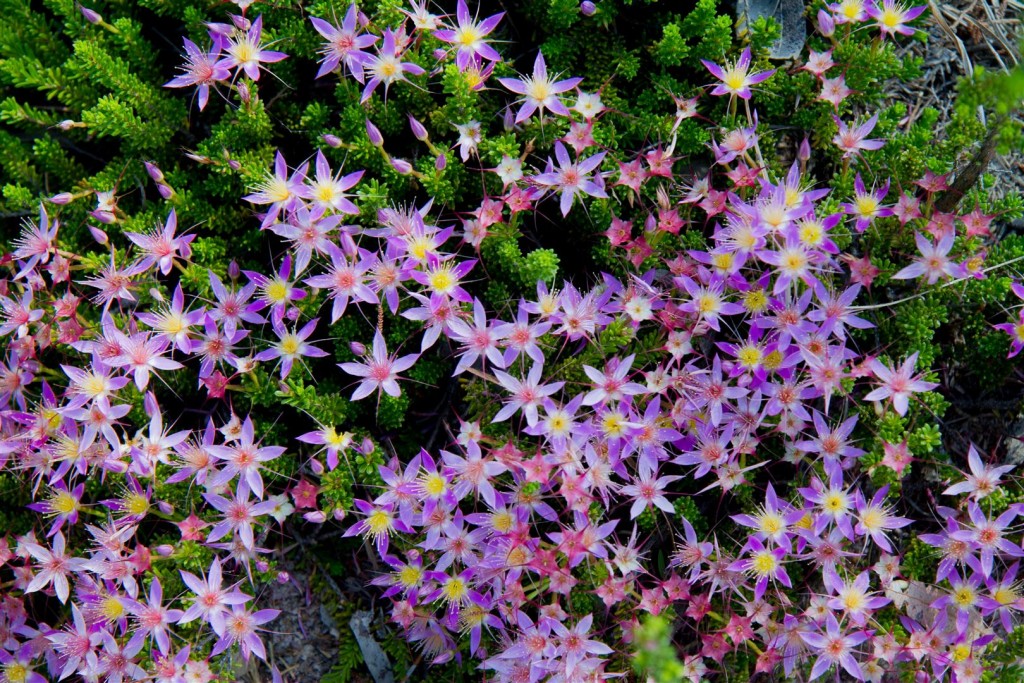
(66, 125)
(62, 198)
(233, 270)
(99, 235)
(509, 120)
(357, 348)
(332, 140)
(440, 54)
(803, 153)
(92, 16)
(402, 166)
(240, 22)
(165, 550)
(165, 507)
(316, 466)
(262, 565)
(154, 171)
(338, 514)
(243, 93)
(587, 8)
(316, 517)
(373, 132)
(283, 577)
(166, 191)
(367, 446)
(441, 163)
(826, 24)
(417, 129)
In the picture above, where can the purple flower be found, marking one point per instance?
(380, 371)
(867, 204)
(281, 191)
(291, 346)
(202, 69)
(245, 51)
(479, 341)
(344, 45)
(934, 261)
(735, 77)
(387, 67)
(468, 36)
(153, 619)
(763, 564)
(891, 16)
(539, 91)
(571, 178)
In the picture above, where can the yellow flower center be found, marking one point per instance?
(378, 523)
(136, 504)
(63, 503)
(866, 204)
(434, 485)
(749, 356)
(755, 300)
(811, 233)
(15, 673)
(277, 292)
(111, 608)
(764, 563)
(441, 281)
(964, 596)
(289, 345)
(734, 79)
(454, 590)
(410, 576)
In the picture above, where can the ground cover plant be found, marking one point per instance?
(552, 341)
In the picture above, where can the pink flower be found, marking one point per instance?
(380, 371)
(982, 480)
(344, 45)
(853, 140)
(934, 261)
(898, 384)
(571, 178)
(387, 67)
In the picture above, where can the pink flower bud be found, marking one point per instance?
(243, 93)
(262, 565)
(316, 466)
(373, 132)
(292, 314)
(363, 20)
(417, 129)
(357, 348)
(234, 164)
(826, 24)
(66, 125)
(316, 517)
(283, 577)
(441, 163)
(440, 54)
(804, 151)
(165, 507)
(233, 270)
(338, 514)
(165, 550)
(587, 8)
(99, 235)
(62, 198)
(367, 446)
(166, 191)
(240, 22)
(332, 140)
(509, 121)
(402, 166)
(92, 16)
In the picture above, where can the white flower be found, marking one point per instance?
(589, 105)
(282, 508)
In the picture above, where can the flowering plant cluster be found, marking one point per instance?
(712, 393)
